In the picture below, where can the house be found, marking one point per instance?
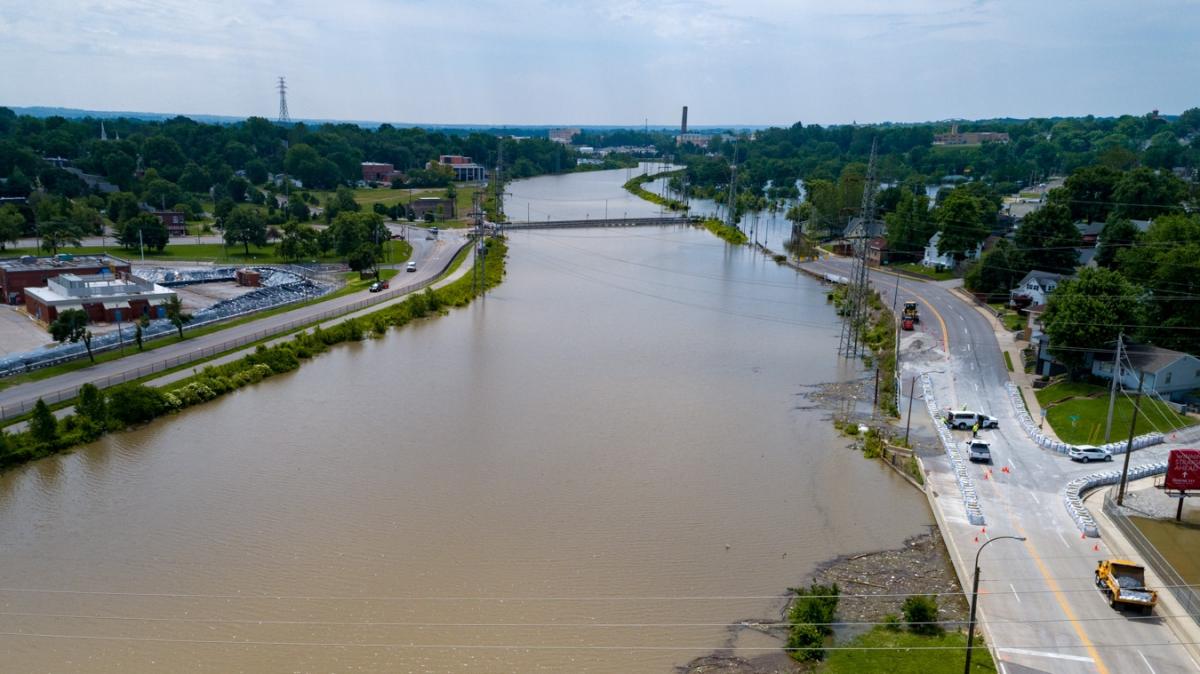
(1173, 375)
(105, 297)
(1036, 287)
(877, 252)
(1090, 232)
(175, 221)
(464, 169)
(17, 274)
(855, 230)
(934, 259)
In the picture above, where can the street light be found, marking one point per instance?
(912, 387)
(975, 598)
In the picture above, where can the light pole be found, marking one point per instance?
(975, 598)
(913, 387)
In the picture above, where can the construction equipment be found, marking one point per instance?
(906, 323)
(1124, 583)
(910, 311)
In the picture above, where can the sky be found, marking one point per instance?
(624, 62)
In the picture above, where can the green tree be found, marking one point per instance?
(12, 225)
(135, 404)
(58, 232)
(195, 178)
(137, 335)
(1087, 312)
(298, 242)
(811, 616)
(43, 426)
(921, 614)
(909, 226)
(363, 259)
(1142, 194)
(246, 225)
(92, 405)
(1090, 192)
(1048, 238)
(998, 271)
(153, 233)
(960, 219)
(350, 231)
(71, 326)
(222, 209)
(1117, 235)
(176, 314)
(122, 206)
(1166, 260)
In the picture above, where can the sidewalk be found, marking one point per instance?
(1012, 346)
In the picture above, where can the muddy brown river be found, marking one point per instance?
(596, 469)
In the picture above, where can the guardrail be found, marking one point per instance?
(19, 408)
(966, 486)
(1187, 597)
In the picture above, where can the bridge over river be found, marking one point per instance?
(655, 221)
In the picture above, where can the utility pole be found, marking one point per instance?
(1112, 392)
(1137, 402)
(858, 286)
(141, 246)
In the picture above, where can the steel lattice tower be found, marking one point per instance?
(858, 290)
(284, 117)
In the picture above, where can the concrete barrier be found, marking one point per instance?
(1075, 489)
(1031, 429)
(966, 486)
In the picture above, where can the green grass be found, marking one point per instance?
(946, 654)
(1081, 420)
(1008, 361)
(728, 233)
(928, 272)
(368, 197)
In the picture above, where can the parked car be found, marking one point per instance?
(412, 266)
(979, 450)
(1087, 453)
(964, 419)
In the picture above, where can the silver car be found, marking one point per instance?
(978, 450)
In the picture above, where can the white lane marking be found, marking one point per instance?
(1147, 663)
(1060, 537)
(1003, 669)
(966, 332)
(1046, 654)
(1016, 595)
(1035, 498)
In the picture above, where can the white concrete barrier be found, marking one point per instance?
(1075, 489)
(1031, 429)
(966, 486)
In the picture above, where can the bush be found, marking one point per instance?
(805, 643)
(891, 622)
(92, 404)
(136, 404)
(921, 614)
(43, 426)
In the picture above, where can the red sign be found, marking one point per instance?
(1183, 470)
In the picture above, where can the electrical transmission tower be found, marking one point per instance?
(284, 117)
(856, 308)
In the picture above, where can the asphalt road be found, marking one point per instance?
(1038, 603)
(431, 256)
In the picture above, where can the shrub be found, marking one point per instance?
(43, 427)
(921, 614)
(136, 404)
(92, 404)
(891, 622)
(805, 643)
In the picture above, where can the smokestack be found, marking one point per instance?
(683, 126)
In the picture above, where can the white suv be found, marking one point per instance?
(978, 450)
(1087, 453)
(964, 419)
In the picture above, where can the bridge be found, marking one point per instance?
(596, 222)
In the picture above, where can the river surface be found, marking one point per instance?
(595, 469)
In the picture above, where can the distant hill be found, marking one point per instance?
(516, 129)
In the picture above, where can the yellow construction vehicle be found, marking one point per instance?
(910, 312)
(1124, 583)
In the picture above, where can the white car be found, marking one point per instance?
(979, 450)
(1087, 453)
(412, 266)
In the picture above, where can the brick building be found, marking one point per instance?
(464, 169)
(379, 172)
(19, 273)
(101, 296)
(175, 221)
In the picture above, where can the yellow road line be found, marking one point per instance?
(937, 315)
(1062, 603)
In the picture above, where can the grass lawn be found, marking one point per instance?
(946, 654)
(929, 272)
(1082, 420)
(369, 196)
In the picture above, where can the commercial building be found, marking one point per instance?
(379, 172)
(175, 221)
(464, 169)
(969, 137)
(19, 273)
(565, 135)
(102, 296)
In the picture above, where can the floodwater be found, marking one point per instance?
(595, 469)
(1177, 542)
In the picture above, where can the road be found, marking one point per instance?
(1038, 604)
(431, 256)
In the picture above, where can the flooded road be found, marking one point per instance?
(596, 469)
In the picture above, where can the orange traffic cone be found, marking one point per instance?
(1082, 536)
(1096, 548)
(976, 539)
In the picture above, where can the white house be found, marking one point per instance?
(933, 259)
(1171, 374)
(1037, 286)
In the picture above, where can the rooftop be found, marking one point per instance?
(30, 263)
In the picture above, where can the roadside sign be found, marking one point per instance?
(1183, 470)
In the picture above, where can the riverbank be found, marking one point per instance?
(634, 186)
(101, 412)
(873, 587)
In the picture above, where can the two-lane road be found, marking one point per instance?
(1038, 605)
